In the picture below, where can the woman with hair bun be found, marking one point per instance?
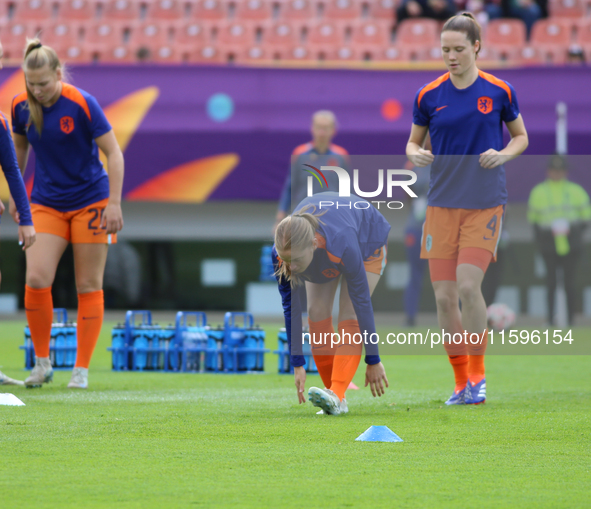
(73, 201)
(463, 113)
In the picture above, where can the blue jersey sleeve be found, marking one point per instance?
(354, 272)
(13, 174)
(510, 109)
(293, 303)
(419, 114)
(99, 124)
(19, 116)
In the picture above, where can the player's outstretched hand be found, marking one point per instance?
(300, 382)
(422, 158)
(26, 236)
(112, 218)
(12, 210)
(375, 377)
(491, 159)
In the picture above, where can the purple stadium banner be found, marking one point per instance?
(226, 133)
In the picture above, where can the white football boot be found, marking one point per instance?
(79, 379)
(325, 399)
(344, 409)
(42, 373)
(6, 380)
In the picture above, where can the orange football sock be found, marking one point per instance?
(458, 358)
(476, 359)
(39, 309)
(323, 353)
(460, 365)
(91, 309)
(347, 357)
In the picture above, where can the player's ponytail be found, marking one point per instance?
(296, 233)
(466, 23)
(36, 57)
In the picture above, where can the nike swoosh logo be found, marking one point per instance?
(441, 107)
(97, 233)
(89, 317)
(486, 238)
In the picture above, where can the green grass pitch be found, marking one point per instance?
(141, 440)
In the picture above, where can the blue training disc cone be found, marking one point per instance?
(378, 434)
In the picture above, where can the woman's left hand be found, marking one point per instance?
(491, 159)
(112, 218)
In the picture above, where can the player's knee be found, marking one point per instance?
(444, 302)
(468, 291)
(89, 285)
(38, 279)
(348, 314)
(317, 313)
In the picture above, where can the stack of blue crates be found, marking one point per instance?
(185, 347)
(62, 345)
(284, 355)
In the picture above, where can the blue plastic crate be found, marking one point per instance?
(191, 340)
(63, 343)
(131, 343)
(244, 344)
(284, 358)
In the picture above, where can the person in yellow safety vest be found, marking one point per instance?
(559, 211)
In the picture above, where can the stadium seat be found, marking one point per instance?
(4, 11)
(29, 10)
(14, 39)
(206, 55)
(116, 10)
(151, 35)
(505, 32)
(167, 54)
(551, 31)
(253, 54)
(382, 9)
(170, 10)
(208, 9)
(100, 36)
(552, 38)
(422, 33)
(566, 8)
(116, 54)
(326, 33)
(75, 53)
(395, 53)
(282, 34)
(371, 33)
(192, 33)
(342, 10)
(61, 35)
(77, 10)
(253, 10)
(528, 56)
(302, 10)
(587, 52)
(296, 53)
(503, 40)
(413, 53)
(236, 34)
(584, 32)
